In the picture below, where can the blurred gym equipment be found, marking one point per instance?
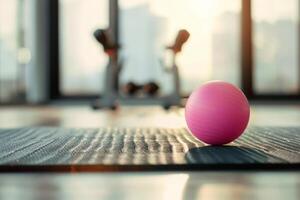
(151, 89)
(113, 97)
(134, 89)
(131, 89)
(110, 95)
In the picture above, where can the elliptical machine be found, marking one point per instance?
(112, 97)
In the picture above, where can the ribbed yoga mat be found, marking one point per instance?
(117, 149)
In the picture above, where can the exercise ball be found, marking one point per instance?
(217, 113)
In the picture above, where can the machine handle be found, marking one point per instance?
(181, 38)
(103, 36)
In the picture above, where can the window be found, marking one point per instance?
(213, 51)
(11, 68)
(81, 59)
(275, 44)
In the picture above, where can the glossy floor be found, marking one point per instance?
(166, 186)
(84, 116)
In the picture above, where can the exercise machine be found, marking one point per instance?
(112, 96)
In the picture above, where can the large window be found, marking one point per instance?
(212, 52)
(266, 63)
(81, 59)
(11, 68)
(276, 46)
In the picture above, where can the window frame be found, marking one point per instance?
(247, 58)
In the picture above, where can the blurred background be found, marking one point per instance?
(48, 52)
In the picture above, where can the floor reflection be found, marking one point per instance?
(233, 186)
(149, 186)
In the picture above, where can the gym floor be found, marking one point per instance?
(81, 115)
(145, 185)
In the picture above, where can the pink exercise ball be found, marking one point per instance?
(217, 113)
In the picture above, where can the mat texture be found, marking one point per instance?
(143, 146)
